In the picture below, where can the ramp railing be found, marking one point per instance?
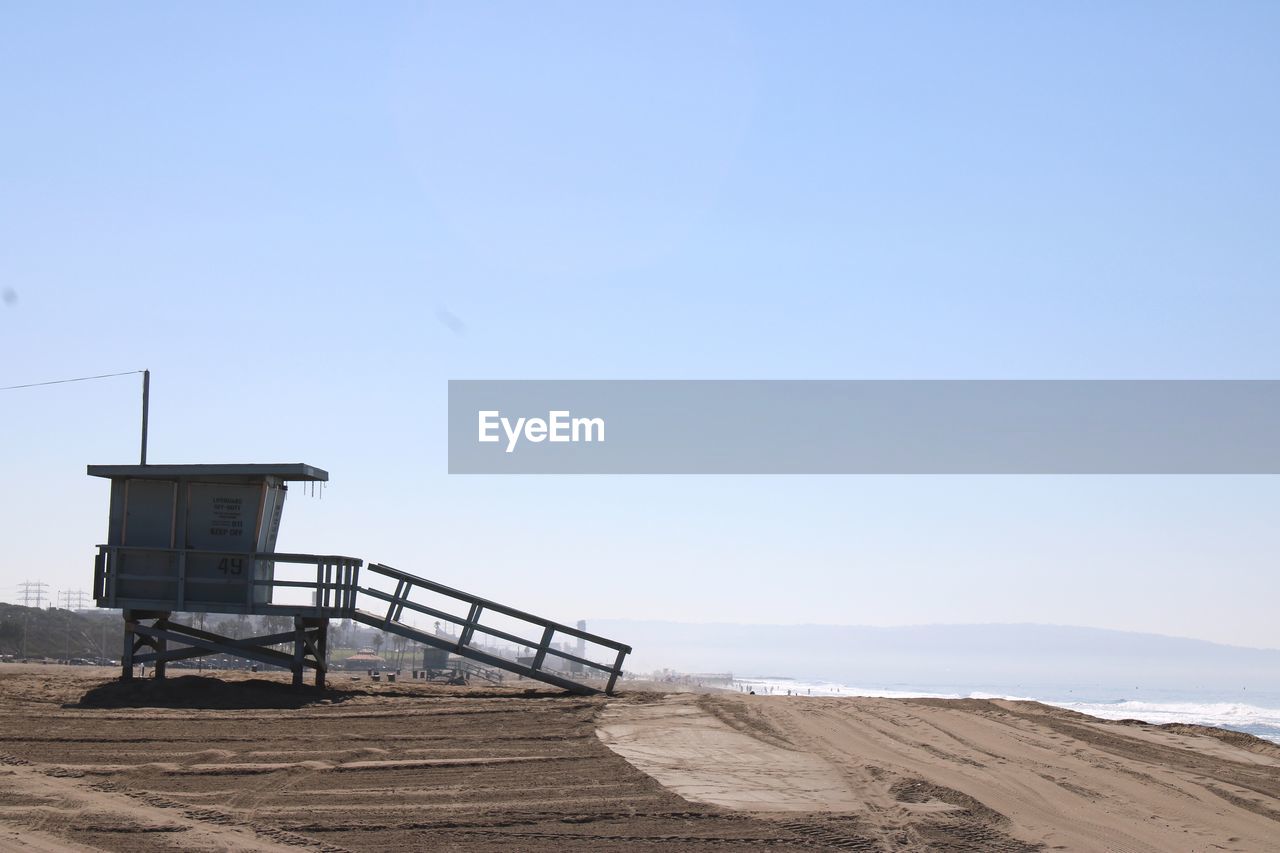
(537, 665)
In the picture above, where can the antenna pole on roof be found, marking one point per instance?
(146, 404)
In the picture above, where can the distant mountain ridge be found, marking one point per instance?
(1006, 654)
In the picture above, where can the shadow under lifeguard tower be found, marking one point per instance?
(201, 539)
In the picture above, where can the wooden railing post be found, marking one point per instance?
(251, 586)
(108, 574)
(616, 671)
(469, 627)
(396, 608)
(543, 646)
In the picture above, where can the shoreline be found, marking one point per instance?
(1167, 707)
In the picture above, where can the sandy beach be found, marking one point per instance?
(242, 762)
(960, 774)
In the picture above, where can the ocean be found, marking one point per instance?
(1254, 712)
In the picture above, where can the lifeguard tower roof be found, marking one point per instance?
(211, 473)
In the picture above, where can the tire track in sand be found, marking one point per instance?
(105, 806)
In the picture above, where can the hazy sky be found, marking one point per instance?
(306, 218)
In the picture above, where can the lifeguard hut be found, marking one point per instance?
(201, 539)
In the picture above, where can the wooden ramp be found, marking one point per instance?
(541, 658)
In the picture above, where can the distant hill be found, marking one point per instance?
(92, 634)
(54, 633)
(941, 655)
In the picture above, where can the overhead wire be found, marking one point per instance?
(77, 379)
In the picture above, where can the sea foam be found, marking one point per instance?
(1262, 722)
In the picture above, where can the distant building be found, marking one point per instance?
(365, 659)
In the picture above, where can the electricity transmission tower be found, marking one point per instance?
(72, 599)
(32, 592)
